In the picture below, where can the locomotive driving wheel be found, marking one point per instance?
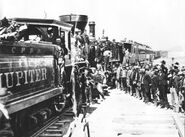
(59, 103)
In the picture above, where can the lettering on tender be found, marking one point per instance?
(13, 49)
(31, 73)
(44, 71)
(23, 50)
(38, 75)
(7, 79)
(25, 77)
(18, 78)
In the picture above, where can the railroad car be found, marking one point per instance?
(138, 52)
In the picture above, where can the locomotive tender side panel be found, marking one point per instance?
(20, 74)
(28, 71)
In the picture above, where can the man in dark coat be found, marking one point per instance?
(176, 82)
(146, 86)
(135, 79)
(163, 86)
(182, 90)
(121, 52)
(98, 52)
(131, 79)
(154, 85)
(92, 56)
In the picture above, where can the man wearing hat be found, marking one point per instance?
(124, 75)
(86, 85)
(146, 85)
(182, 91)
(163, 86)
(140, 85)
(154, 84)
(5, 127)
(135, 81)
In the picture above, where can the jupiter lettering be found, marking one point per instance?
(18, 78)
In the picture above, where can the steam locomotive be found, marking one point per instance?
(40, 81)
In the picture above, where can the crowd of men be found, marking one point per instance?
(153, 84)
(165, 87)
(100, 55)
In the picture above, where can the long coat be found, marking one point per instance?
(163, 79)
(146, 80)
(176, 83)
(154, 82)
(135, 78)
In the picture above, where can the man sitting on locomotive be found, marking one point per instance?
(5, 127)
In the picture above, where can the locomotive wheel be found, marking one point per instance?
(59, 103)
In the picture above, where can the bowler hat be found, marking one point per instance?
(163, 62)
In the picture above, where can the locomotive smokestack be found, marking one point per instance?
(92, 29)
(78, 21)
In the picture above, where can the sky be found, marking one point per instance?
(157, 23)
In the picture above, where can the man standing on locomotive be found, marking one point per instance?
(107, 53)
(5, 127)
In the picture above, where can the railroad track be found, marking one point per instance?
(64, 125)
